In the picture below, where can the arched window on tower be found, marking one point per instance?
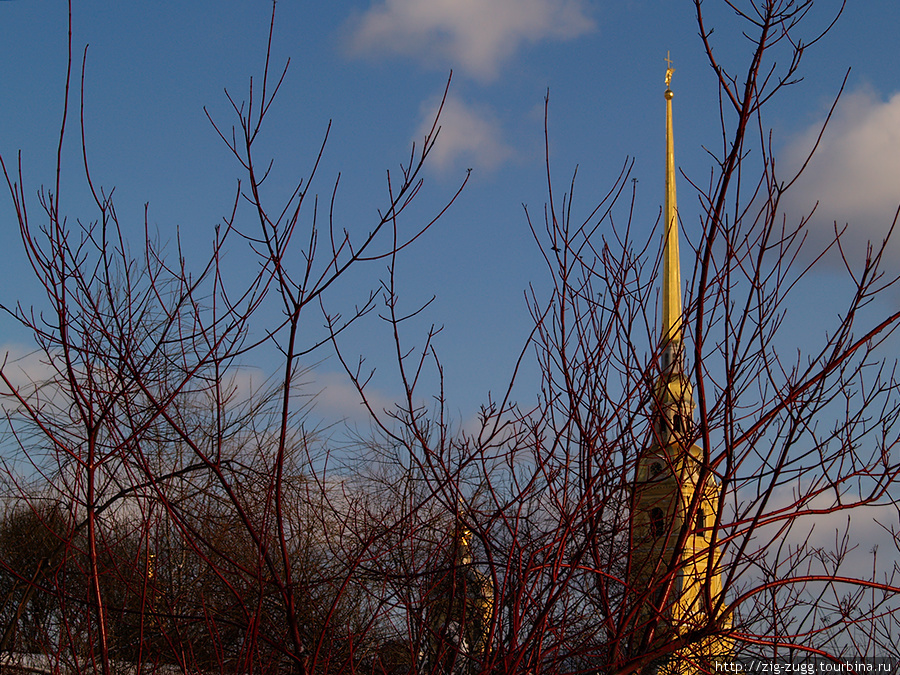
(657, 525)
(655, 469)
(701, 523)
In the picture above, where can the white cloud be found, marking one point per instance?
(476, 36)
(335, 397)
(24, 368)
(854, 175)
(867, 528)
(469, 135)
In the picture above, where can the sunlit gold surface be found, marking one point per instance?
(672, 493)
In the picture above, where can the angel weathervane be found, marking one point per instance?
(669, 70)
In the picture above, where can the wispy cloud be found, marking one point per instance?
(25, 369)
(854, 177)
(470, 135)
(475, 36)
(859, 531)
(336, 398)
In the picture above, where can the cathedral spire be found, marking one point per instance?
(675, 566)
(671, 287)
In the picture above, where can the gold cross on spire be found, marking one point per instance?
(669, 70)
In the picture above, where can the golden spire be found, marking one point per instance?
(671, 291)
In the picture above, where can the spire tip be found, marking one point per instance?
(669, 71)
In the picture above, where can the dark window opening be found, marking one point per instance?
(677, 423)
(655, 469)
(701, 523)
(657, 528)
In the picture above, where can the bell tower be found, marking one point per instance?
(673, 568)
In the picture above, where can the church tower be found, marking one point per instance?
(673, 577)
(460, 611)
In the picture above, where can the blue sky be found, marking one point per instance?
(376, 69)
